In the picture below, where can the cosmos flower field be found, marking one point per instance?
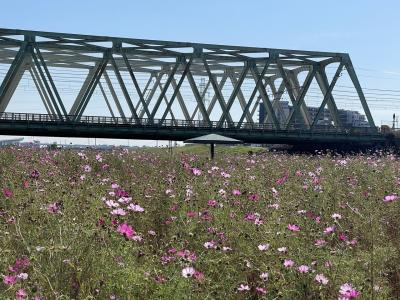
(145, 224)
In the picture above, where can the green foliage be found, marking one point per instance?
(61, 222)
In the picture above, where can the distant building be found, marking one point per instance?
(10, 142)
(348, 118)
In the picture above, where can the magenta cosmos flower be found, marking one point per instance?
(9, 280)
(390, 198)
(126, 230)
(7, 193)
(288, 263)
(293, 227)
(196, 171)
(347, 291)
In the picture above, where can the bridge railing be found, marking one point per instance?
(104, 120)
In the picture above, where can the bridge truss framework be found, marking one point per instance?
(169, 66)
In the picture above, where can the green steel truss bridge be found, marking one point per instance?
(151, 89)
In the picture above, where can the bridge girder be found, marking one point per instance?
(173, 69)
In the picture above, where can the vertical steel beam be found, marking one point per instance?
(327, 95)
(354, 79)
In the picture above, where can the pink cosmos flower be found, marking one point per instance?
(236, 192)
(9, 279)
(293, 227)
(288, 263)
(114, 186)
(343, 237)
(118, 212)
(126, 230)
(135, 207)
(210, 245)
(87, 168)
(263, 247)
(99, 158)
(7, 193)
(330, 229)
(196, 171)
(390, 198)
(261, 290)
(199, 276)
(336, 216)
(188, 272)
(35, 174)
(254, 197)
(190, 214)
(212, 202)
(243, 288)
(347, 291)
(320, 278)
(320, 243)
(20, 294)
(53, 208)
(303, 269)
(264, 276)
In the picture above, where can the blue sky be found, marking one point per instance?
(367, 30)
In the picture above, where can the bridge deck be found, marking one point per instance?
(113, 127)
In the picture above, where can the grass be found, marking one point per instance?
(72, 222)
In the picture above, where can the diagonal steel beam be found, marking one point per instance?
(327, 94)
(46, 84)
(137, 87)
(164, 90)
(263, 93)
(176, 90)
(199, 99)
(88, 80)
(152, 92)
(107, 102)
(289, 89)
(41, 90)
(219, 95)
(322, 80)
(215, 97)
(144, 96)
(300, 93)
(253, 94)
(276, 103)
(356, 83)
(166, 101)
(203, 94)
(242, 100)
(13, 77)
(114, 96)
(92, 88)
(50, 79)
(181, 101)
(124, 90)
(236, 89)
